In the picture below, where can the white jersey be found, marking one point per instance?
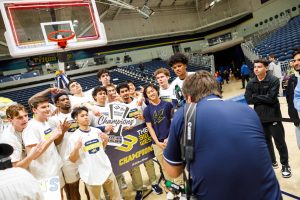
(93, 164)
(77, 101)
(18, 183)
(52, 107)
(104, 110)
(12, 137)
(167, 94)
(49, 163)
(89, 95)
(179, 82)
(136, 110)
(69, 168)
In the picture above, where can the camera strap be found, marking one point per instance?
(187, 143)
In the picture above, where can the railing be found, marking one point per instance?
(248, 52)
(285, 66)
(203, 61)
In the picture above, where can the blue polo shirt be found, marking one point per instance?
(160, 118)
(231, 156)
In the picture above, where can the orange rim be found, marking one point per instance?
(72, 35)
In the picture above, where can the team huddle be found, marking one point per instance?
(66, 136)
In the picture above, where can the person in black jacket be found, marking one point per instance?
(290, 91)
(262, 91)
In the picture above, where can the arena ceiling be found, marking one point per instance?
(170, 16)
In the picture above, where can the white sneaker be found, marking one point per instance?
(170, 196)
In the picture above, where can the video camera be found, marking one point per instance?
(178, 191)
(179, 96)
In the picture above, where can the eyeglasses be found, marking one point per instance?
(294, 60)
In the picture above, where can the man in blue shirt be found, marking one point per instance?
(245, 74)
(231, 156)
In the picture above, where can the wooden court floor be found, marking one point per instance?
(289, 185)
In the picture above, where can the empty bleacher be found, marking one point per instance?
(282, 42)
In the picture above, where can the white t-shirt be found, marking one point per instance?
(49, 163)
(89, 95)
(104, 110)
(276, 69)
(18, 183)
(69, 168)
(12, 137)
(167, 94)
(75, 101)
(93, 164)
(52, 107)
(136, 110)
(178, 82)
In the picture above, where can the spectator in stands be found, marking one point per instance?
(137, 113)
(12, 135)
(225, 76)
(49, 163)
(219, 81)
(86, 149)
(15, 182)
(275, 70)
(262, 91)
(231, 159)
(178, 62)
(158, 119)
(245, 74)
(142, 67)
(166, 92)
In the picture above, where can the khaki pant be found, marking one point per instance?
(120, 179)
(137, 180)
(110, 185)
(159, 156)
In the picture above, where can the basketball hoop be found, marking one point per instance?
(61, 42)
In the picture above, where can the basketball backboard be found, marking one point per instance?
(29, 22)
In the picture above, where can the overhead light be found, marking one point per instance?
(211, 5)
(146, 11)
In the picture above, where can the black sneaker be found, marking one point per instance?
(157, 189)
(286, 171)
(139, 195)
(275, 165)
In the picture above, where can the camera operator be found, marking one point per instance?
(16, 182)
(231, 159)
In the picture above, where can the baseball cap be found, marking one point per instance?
(5, 151)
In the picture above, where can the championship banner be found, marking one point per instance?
(135, 150)
(51, 188)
